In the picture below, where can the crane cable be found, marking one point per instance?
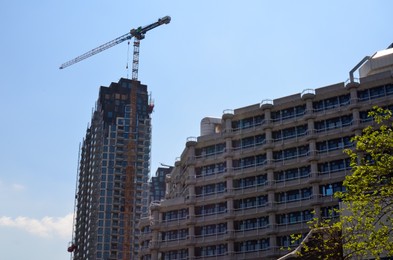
(128, 57)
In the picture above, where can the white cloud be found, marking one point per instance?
(13, 187)
(45, 227)
(18, 187)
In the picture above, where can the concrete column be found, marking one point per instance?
(270, 176)
(354, 94)
(268, 133)
(355, 118)
(317, 210)
(229, 183)
(315, 189)
(229, 164)
(310, 125)
(191, 231)
(355, 115)
(228, 123)
(273, 241)
(309, 107)
(154, 255)
(314, 167)
(269, 155)
(268, 114)
(191, 252)
(312, 146)
(228, 144)
(191, 210)
(230, 204)
(191, 148)
(231, 247)
(191, 181)
(270, 197)
(230, 226)
(272, 219)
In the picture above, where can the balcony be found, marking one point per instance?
(293, 228)
(191, 180)
(174, 243)
(257, 254)
(154, 224)
(289, 182)
(145, 236)
(209, 239)
(190, 200)
(211, 216)
(190, 241)
(167, 224)
(252, 232)
(230, 235)
(191, 220)
(144, 251)
(154, 245)
(251, 210)
(250, 190)
(295, 204)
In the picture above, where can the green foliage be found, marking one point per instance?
(367, 212)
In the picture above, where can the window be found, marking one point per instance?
(175, 254)
(251, 202)
(175, 214)
(249, 224)
(334, 166)
(294, 195)
(211, 229)
(250, 161)
(329, 212)
(210, 169)
(213, 250)
(211, 209)
(210, 150)
(333, 123)
(389, 89)
(330, 189)
(364, 116)
(210, 189)
(250, 181)
(248, 122)
(288, 113)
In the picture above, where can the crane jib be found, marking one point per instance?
(138, 33)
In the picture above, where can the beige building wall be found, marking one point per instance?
(240, 192)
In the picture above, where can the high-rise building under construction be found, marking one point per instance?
(113, 174)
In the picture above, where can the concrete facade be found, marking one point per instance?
(243, 187)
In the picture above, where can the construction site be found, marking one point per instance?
(114, 163)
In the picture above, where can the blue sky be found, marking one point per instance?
(214, 55)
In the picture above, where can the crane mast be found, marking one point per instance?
(138, 34)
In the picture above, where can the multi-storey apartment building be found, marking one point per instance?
(113, 174)
(259, 173)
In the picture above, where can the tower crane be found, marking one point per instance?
(138, 34)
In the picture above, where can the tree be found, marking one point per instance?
(367, 215)
(365, 226)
